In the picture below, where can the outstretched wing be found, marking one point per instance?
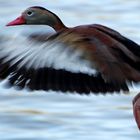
(131, 45)
(126, 51)
(66, 62)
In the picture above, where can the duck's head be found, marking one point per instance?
(38, 16)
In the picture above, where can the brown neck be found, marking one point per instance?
(59, 26)
(53, 21)
(56, 22)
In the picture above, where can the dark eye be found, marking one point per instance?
(30, 13)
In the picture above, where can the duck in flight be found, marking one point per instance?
(83, 59)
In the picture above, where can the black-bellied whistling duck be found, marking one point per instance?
(87, 58)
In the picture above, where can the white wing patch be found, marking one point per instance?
(42, 55)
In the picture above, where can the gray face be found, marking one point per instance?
(36, 16)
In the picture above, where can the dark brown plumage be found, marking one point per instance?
(116, 58)
(112, 60)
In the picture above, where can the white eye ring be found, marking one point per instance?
(30, 13)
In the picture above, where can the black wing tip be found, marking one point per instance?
(60, 80)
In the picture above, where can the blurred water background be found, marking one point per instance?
(56, 116)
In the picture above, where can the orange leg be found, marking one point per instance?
(136, 109)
